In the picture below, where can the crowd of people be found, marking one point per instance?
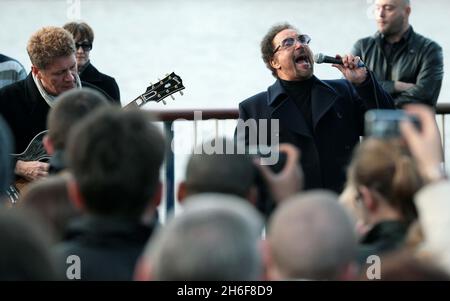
(333, 204)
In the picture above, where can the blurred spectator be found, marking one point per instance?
(386, 178)
(216, 238)
(71, 107)
(48, 200)
(311, 237)
(432, 200)
(25, 249)
(115, 157)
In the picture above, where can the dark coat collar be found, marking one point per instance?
(323, 97)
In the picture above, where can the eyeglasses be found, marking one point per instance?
(84, 45)
(303, 39)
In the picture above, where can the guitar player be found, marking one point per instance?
(25, 104)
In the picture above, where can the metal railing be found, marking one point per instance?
(168, 117)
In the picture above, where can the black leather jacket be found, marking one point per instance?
(419, 61)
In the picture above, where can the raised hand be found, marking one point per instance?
(425, 145)
(288, 181)
(349, 68)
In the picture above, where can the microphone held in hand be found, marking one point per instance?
(320, 58)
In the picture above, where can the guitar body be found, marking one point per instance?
(35, 150)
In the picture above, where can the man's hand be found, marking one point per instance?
(354, 74)
(31, 170)
(402, 86)
(288, 181)
(425, 145)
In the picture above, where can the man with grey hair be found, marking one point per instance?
(409, 66)
(25, 104)
(215, 238)
(310, 236)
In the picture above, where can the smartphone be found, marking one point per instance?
(386, 123)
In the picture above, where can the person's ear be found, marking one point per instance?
(48, 145)
(367, 198)
(36, 72)
(275, 63)
(408, 11)
(75, 196)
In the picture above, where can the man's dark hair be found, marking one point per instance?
(71, 107)
(115, 157)
(267, 46)
(223, 172)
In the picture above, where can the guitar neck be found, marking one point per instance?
(135, 104)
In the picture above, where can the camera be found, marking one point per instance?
(386, 123)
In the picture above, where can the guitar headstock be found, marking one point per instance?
(167, 86)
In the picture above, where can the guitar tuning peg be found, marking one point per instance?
(181, 92)
(164, 102)
(150, 84)
(172, 97)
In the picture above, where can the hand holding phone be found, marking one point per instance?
(289, 180)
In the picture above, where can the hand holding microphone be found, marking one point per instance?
(351, 66)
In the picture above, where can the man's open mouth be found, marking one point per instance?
(302, 59)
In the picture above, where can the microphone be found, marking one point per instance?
(320, 58)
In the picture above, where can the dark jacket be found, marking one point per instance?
(108, 84)
(337, 114)
(24, 110)
(418, 61)
(108, 248)
(384, 237)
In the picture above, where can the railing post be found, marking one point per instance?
(170, 168)
(443, 137)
